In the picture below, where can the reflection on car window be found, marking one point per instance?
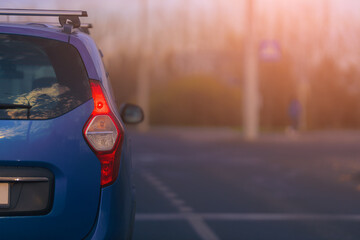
(46, 75)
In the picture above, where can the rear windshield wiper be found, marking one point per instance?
(14, 106)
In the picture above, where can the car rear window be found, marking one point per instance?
(40, 78)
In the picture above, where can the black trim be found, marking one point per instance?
(23, 193)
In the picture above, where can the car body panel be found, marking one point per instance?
(86, 54)
(81, 208)
(58, 146)
(30, 30)
(117, 205)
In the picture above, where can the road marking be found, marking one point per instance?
(185, 209)
(203, 230)
(170, 195)
(179, 202)
(249, 217)
(195, 220)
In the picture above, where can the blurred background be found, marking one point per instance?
(191, 53)
(252, 113)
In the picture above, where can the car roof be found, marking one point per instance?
(38, 27)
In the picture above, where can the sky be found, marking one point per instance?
(163, 12)
(126, 7)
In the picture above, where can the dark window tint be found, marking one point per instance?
(40, 78)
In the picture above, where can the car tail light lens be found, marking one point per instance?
(104, 134)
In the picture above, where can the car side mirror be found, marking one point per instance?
(131, 114)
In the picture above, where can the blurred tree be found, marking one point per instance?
(278, 88)
(333, 102)
(123, 73)
(196, 100)
(307, 33)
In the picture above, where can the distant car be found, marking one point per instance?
(65, 165)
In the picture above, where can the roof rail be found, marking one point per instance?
(82, 25)
(68, 19)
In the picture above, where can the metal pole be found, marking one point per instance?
(186, 16)
(143, 84)
(251, 88)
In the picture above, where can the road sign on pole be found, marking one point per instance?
(251, 82)
(270, 51)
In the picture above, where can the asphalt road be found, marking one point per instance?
(210, 184)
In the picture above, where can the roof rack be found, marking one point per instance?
(68, 19)
(42, 12)
(84, 27)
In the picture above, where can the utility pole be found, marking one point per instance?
(251, 81)
(221, 23)
(144, 51)
(325, 24)
(185, 11)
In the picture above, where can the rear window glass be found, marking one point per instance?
(40, 78)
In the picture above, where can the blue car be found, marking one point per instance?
(65, 163)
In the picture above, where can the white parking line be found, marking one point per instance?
(203, 230)
(249, 217)
(196, 221)
(170, 195)
(185, 209)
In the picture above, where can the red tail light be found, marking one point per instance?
(104, 134)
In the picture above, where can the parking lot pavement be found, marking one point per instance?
(210, 184)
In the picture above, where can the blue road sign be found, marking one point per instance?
(270, 51)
